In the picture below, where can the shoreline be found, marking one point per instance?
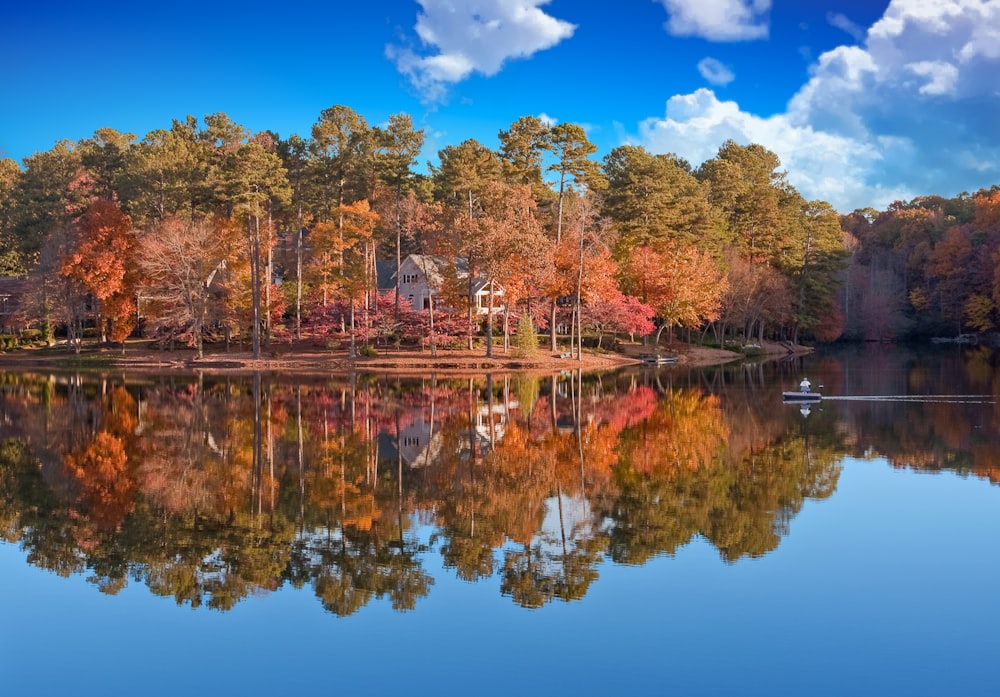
(299, 361)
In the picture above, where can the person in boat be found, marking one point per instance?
(804, 385)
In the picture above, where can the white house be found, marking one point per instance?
(422, 276)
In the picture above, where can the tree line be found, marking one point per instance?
(927, 267)
(206, 229)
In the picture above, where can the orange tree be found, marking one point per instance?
(684, 285)
(104, 262)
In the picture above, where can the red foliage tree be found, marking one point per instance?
(104, 262)
(618, 313)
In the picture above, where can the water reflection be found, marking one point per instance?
(210, 490)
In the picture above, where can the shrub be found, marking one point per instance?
(525, 339)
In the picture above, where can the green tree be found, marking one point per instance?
(398, 146)
(522, 152)
(165, 174)
(464, 173)
(656, 199)
(104, 156)
(815, 261)
(294, 154)
(255, 180)
(50, 192)
(341, 149)
(572, 150)
(526, 338)
(12, 261)
(744, 184)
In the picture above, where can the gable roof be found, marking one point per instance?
(431, 265)
(479, 285)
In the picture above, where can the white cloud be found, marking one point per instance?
(844, 23)
(718, 20)
(547, 120)
(961, 33)
(474, 36)
(941, 76)
(910, 112)
(715, 72)
(820, 165)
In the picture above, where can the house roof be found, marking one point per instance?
(12, 285)
(433, 267)
(385, 274)
(479, 285)
(430, 264)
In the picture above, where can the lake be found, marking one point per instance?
(648, 531)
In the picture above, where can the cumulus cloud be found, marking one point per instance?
(474, 36)
(940, 76)
(715, 72)
(910, 112)
(821, 165)
(718, 20)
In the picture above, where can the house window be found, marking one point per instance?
(409, 278)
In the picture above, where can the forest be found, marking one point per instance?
(206, 231)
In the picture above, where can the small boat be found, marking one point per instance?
(655, 359)
(801, 396)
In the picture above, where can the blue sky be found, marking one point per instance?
(865, 101)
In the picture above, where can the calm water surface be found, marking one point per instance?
(644, 532)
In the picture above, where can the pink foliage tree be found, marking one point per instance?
(618, 313)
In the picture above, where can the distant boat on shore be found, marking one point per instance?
(656, 359)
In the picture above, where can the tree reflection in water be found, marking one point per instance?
(210, 490)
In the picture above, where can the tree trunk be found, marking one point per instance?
(430, 309)
(399, 262)
(579, 303)
(470, 284)
(353, 353)
(253, 224)
(298, 279)
(267, 281)
(553, 344)
(489, 325)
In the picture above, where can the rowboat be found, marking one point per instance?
(801, 396)
(654, 359)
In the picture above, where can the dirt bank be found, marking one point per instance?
(292, 360)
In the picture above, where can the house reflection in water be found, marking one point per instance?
(421, 441)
